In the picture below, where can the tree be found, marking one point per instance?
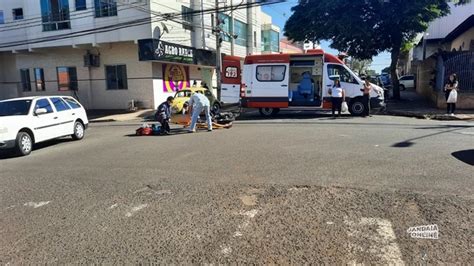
(364, 28)
(360, 66)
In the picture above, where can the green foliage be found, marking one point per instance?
(362, 28)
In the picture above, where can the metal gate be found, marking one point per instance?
(462, 64)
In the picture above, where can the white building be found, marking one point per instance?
(109, 52)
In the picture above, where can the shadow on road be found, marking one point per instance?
(466, 156)
(10, 154)
(409, 142)
(174, 132)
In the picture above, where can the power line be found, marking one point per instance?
(39, 23)
(132, 23)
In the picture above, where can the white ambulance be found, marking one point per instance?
(272, 82)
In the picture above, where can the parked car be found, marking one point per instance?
(377, 80)
(181, 97)
(407, 81)
(30, 120)
(386, 80)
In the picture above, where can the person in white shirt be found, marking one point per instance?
(337, 97)
(197, 103)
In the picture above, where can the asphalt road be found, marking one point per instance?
(293, 189)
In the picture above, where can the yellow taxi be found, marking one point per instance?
(181, 97)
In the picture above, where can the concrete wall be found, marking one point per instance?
(425, 74)
(9, 77)
(463, 42)
(465, 100)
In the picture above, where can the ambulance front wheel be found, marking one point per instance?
(357, 107)
(268, 112)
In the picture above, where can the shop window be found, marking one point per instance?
(274, 41)
(254, 39)
(271, 73)
(187, 16)
(81, 5)
(116, 77)
(67, 78)
(105, 8)
(25, 79)
(240, 29)
(39, 79)
(17, 13)
(55, 15)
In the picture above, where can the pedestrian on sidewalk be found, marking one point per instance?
(451, 85)
(366, 97)
(163, 115)
(337, 97)
(197, 103)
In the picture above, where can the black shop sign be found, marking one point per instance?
(158, 50)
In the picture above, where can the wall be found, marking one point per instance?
(463, 41)
(9, 77)
(92, 90)
(424, 74)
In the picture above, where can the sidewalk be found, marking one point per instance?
(414, 105)
(97, 116)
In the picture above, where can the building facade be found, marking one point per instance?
(447, 47)
(108, 53)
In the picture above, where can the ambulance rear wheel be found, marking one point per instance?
(268, 112)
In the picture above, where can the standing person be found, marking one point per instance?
(337, 97)
(366, 97)
(195, 83)
(197, 103)
(163, 115)
(451, 85)
(204, 85)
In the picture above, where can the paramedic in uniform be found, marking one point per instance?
(337, 97)
(197, 103)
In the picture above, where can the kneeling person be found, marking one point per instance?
(163, 115)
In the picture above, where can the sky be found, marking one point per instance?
(282, 11)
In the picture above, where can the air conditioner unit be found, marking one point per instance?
(91, 60)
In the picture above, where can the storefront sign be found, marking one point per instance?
(175, 77)
(157, 50)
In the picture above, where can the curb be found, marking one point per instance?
(428, 116)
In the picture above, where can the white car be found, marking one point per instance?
(407, 82)
(30, 120)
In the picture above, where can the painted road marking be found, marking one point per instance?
(383, 244)
(135, 209)
(36, 204)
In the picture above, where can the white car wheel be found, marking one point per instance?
(24, 143)
(78, 131)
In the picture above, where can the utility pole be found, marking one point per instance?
(232, 41)
(202, 26)
(218, 51)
